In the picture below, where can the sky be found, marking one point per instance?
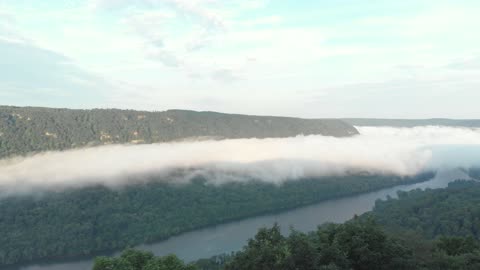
(313, 59)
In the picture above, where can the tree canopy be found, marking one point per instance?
(25, 130)
(435, 229)
(84, 221)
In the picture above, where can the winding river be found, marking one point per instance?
(229, 237)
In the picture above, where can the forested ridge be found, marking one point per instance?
(88, 220)
(26, 130)
(453, 211)
(421, 230)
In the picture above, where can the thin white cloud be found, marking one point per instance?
(150, 25)
(196, 10)
(8, 29)
(295, 50)
(166, 57)
(98, 5)
(466, 64)
(225, 75)
(423, 96)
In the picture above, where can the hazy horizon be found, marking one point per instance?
(228, 112)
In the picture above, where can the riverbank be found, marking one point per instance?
(229, 237)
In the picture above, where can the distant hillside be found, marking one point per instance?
(413, 122)
(27, 129)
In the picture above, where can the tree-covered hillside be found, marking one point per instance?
(434, 229)
(421, 230)
(88, 220)
(355, 245)
(26, 129)
(453, 211)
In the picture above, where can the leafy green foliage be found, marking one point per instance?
(454, 246)
(268, 250)
(83, 221)
(465, 261)
(140, 260)
(362, 243)
(27, 130)
(368, 247)
(442, 226)
(214, 263)
(454, 211)
(357, 244)
(353, 245)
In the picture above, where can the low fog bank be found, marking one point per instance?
(377, 150)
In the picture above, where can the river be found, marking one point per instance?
(229, 237)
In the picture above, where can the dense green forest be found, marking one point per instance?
(433, 229)
(452, 211)
(355, 245)
(27, 129)
(88, 220)
(135, 259)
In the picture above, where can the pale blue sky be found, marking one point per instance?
(324, 58)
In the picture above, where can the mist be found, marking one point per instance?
(377, 150)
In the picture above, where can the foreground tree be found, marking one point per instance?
(267, 250)
(455, 253)
(140, 260)
(353, 245)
